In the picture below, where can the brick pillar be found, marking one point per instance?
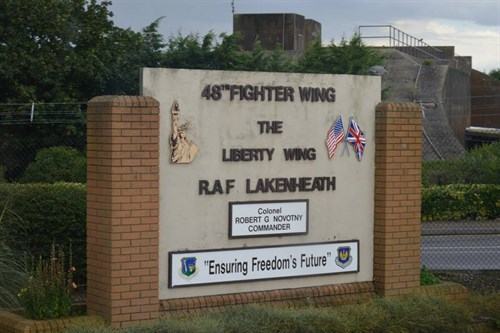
(123, 209)
(398, 168)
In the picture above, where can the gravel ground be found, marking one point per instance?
(478, 282)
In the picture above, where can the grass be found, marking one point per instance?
(486, 308)
(11, 269)
(414, 313)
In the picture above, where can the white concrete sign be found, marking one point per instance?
(252, 219)
(232, 265)
(238, 148)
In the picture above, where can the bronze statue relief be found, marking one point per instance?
(181, 149)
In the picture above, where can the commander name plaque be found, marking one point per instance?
(267, 218)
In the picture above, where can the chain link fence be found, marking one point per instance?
(461, 245)
(28, 130)
(461, 211)
(42, 169)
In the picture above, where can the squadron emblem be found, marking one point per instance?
(188, 268)
(344, 257)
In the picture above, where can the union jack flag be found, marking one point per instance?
(335, 136)
(356, 137)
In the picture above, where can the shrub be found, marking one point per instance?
(458, 202)
(442, 172)
(481, 165)
(56, 164)
(428, 278)
(48, 286)
(49, 213)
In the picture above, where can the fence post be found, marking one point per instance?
(398, 167)
(123, 209)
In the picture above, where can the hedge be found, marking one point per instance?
(480, 165)
(460, 202)
(37, 215)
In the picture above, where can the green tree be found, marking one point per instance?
(41, 41)
(228, 54)
(348, 57)
(495, 73)
(63, 51)
(189, 52)
(353, 57)
(209, 52)
(70, 50)
(279, 61)
(268, 61)
(314, 60)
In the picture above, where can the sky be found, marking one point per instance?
(472, 26)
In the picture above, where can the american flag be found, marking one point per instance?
(335, 136)
(356, 137)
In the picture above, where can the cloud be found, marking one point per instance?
(472, 26)
(440, 29)
(469, 39)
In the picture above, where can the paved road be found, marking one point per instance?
(461, 252)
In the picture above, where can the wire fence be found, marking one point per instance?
(28, 129)
(461, 245)
(42, 113)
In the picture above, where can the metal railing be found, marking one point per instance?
(403, 42)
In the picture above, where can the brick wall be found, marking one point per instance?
(327, 295)
(398, 166)
(123, 208)
(123, 216)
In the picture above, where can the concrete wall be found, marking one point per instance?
(312, 32)
(457, 101)
(291, 31)
(485, 103)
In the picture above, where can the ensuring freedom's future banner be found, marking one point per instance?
(232, 265)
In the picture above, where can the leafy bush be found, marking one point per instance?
(480, 166)
(428, 278)
(38, 215)
(458, 202)
(48, 286)
(56, 164)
